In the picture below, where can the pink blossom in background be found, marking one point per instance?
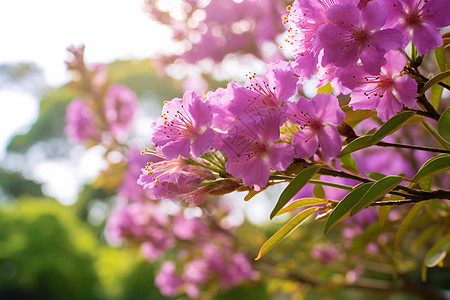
(167, 280)
(421, 20)
(326, 254)
(214, 29)
(385, 92)
(121, 104)
(355, 34)
(317, 119)
(303, 21)
(184, 127)
(142, 223)
(80, 123)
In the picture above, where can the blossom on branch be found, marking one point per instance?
(184, 127)
(252, 149)
(421, 20)
(317, 119)
(385, 92)
(356, 34)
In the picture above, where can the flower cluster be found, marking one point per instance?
(245, 140)
(208, 251)
(359, 46)
(107, 109)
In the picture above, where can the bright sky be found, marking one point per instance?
(39, 31)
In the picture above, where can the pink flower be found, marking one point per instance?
(252, 149)
(304, 20)
(422, 19)
(80, 123)
(262, 96)
(167, 279)
(184, 127)
(386, 92)
(317, 119)
(120, 106)
(357, 35)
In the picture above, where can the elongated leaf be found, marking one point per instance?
(355, 145)
(443, 127)
(391, 126)
(293, 188)
(318, 191)
(342, 210)
(383, 213)
(375, 175)
(354, 117)
(425, 183)
(436, 136)
(434, 80)
(377, 190)
(439, 55)
(436, 94)
(424, 236)
(406, 222)
(435, 165)
(349, 163)
(438, 252)
(301, 203)
(285, 231)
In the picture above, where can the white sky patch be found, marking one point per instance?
(18, 110)
(63, 179)
(41, 30)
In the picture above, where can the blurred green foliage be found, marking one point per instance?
(46, 252)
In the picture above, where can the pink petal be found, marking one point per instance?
(330, 141)
(426, 37)
(203, 143)
(406, 89)
(280, 156)
(305, 142)
(327, 109)
(181, 146)
(395, 61)
(254, 171)
(388, 106)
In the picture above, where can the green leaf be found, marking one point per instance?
(284, 231)
(425, 183)
(327, 89)
(436, 94)
(443, 127)
(342, 210)
(433, 81)
(434, 165)
(424, 236)
(406, 222)
(439, 55)
(293, 188)
(349, 163)
(355, 145)
(383, 213)
(354, 117)
(436, 136)
(301, 203)
(391, 126)
(375, 175)
(376, 191)
(318, 191)
(438, 252)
